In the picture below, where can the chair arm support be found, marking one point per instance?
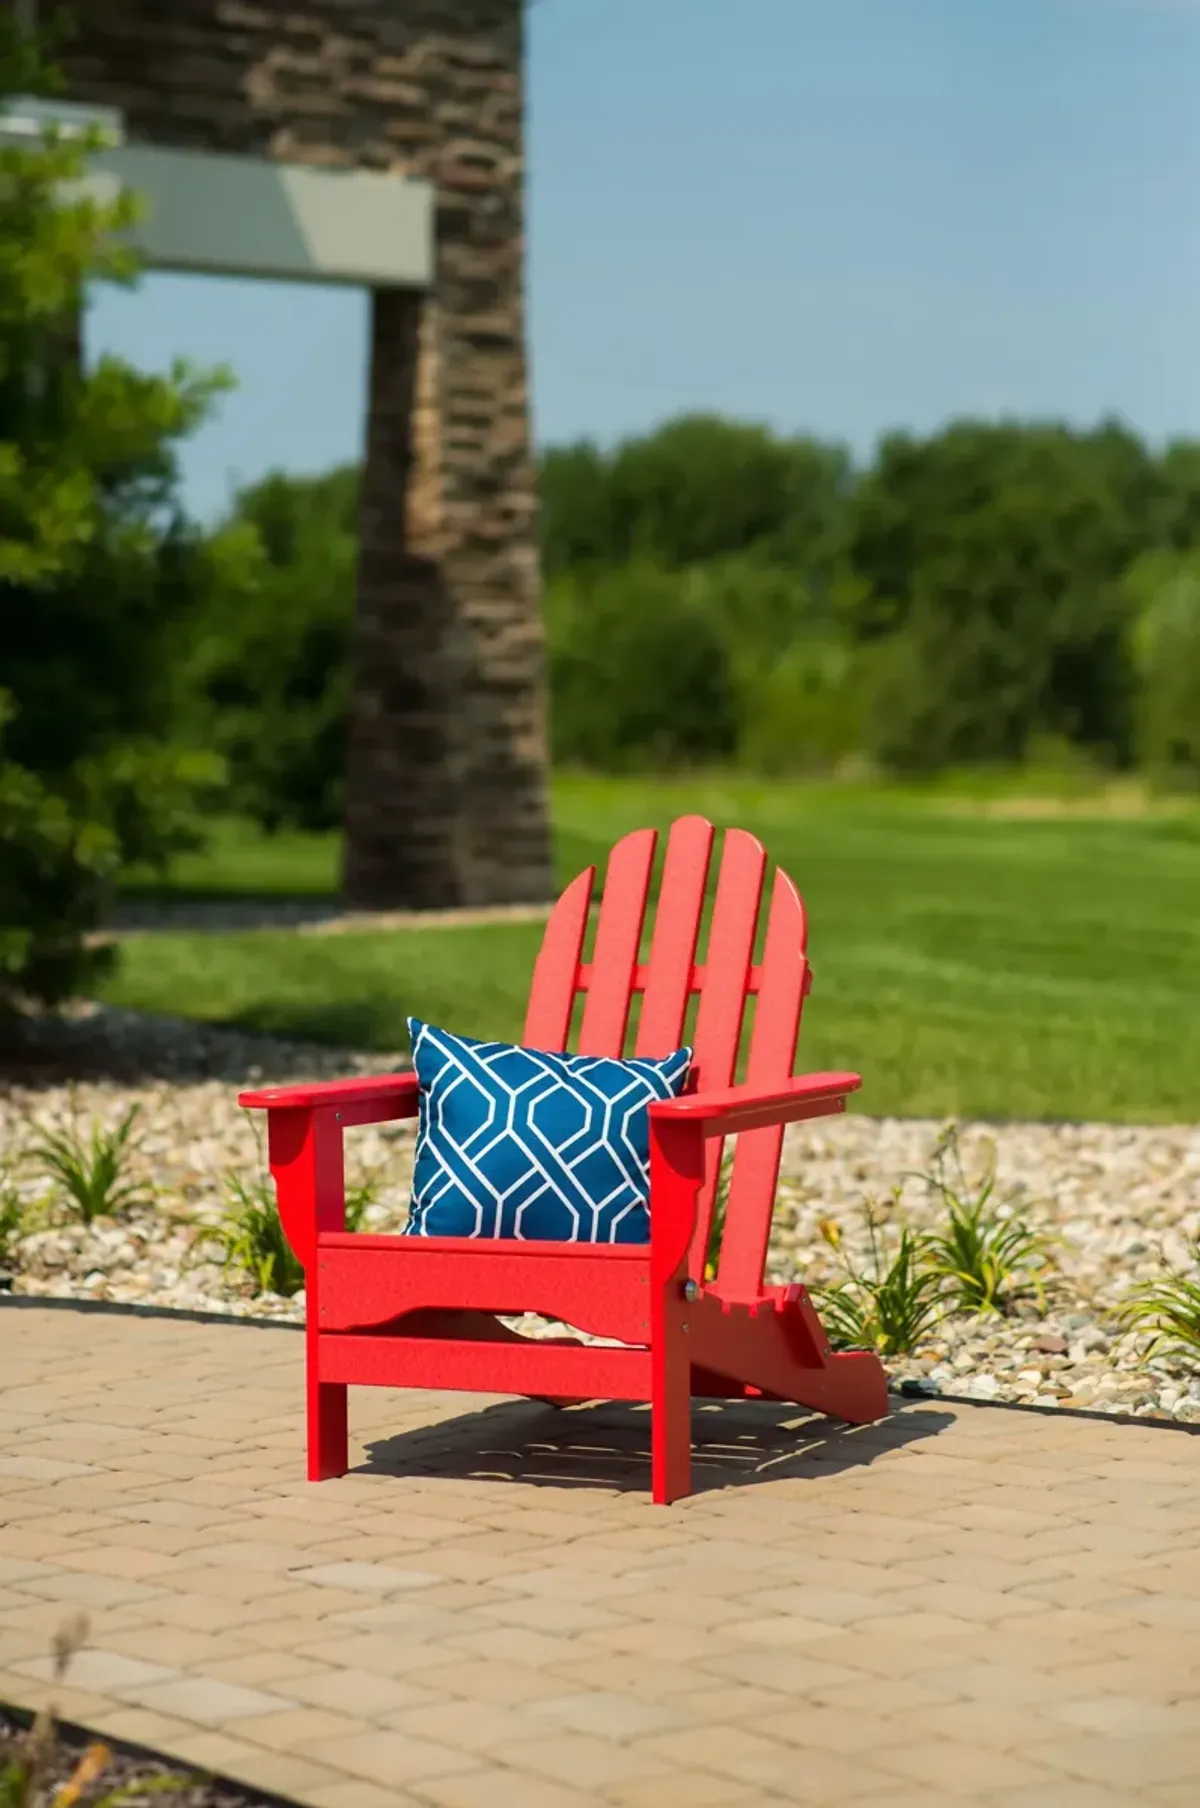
(739, 1108)
(305, 1136)
(679, 1129)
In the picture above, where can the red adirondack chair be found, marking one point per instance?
(422, 1312)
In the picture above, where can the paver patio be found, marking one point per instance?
(961, 1605)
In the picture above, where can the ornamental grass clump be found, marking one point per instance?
(1168, 1306)
(89, 1172)
(891, 1305)
(12, 1222)
(986, 1257)
(251, 1239)
(716, 1228)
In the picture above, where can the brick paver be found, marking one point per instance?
(961, 1605)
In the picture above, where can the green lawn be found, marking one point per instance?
(966, 963)
(240, 862)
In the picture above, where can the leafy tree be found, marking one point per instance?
(97, 572)
(729, 653)
(990, 558)
(697, 488)
(799, 681)
(1177, 501)
(638, 672)
(578, 527)
(269, 670)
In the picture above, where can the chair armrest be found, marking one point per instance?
(738, 1108)
(368, 1099)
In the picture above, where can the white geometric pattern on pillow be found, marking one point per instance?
(514, 1142)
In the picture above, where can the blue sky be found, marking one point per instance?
(839, 216)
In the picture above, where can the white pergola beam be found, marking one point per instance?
(247, 216)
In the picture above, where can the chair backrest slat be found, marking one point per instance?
(557, 969)
(772, 1058)
(724, 979)
(723, 998)
(670, 970)
(618, 941)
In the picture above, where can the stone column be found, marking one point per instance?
(446, 789)
(405, 777)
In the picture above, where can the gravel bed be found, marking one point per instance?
(1121, 1200)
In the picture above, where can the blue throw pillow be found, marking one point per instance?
(512, 1142)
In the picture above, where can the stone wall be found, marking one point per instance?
(446, 794)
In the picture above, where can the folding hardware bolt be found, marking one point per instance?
(691, 1291)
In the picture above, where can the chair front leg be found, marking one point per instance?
(676, 1175)
(328, 1419)
(306, 1157)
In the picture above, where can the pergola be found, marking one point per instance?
(375, 143)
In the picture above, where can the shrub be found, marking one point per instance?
(96, 574)
(803, 710)
(990, 557)
(1164, 596)
(798, 678)
(268, 674)
(639, 674)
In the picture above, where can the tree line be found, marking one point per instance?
(716, 593)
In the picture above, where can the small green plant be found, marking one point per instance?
(716, 1228)
(252, 1240)
(1168, 1305)
(27, 1758)
(890, 1307)
(12, 1222)
(90, 1172)
(986, 1258)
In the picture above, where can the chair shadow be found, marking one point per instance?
(606, 1445)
